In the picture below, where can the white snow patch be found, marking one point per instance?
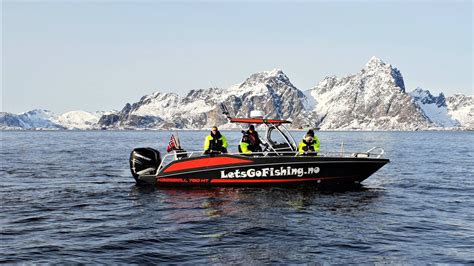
(438, 115)
(78, 119)
(161, 105)
(461, 108)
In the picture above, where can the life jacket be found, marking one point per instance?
(215, 142)
(309, 146)
(312, 146)
(245, 145)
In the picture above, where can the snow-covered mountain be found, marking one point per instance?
(453, 111)
(44, 119)
(461, 108)
(435, 108)
(34, 119)
(79, 119)
(374, 98)
(269, 91)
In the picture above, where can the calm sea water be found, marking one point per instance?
(68, 197)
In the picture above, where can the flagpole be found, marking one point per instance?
(178, 141)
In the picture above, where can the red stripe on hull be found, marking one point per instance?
(227, 181)
(204, 162)
(244, 181)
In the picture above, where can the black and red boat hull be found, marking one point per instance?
(235, 170)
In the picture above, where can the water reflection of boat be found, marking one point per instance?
(278, 164)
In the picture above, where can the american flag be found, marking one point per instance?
(171, 144)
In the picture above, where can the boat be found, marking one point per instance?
(278, 164)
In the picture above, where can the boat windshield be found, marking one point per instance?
(280, 138)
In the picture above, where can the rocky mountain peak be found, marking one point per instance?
(386, 72)
(274, 73)
(372, 98)
(375, 62)
(275, 76)
(425, 97)
(434, 107)
(38, 113)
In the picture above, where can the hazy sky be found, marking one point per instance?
(99, 55)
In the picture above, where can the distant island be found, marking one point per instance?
(372, 99)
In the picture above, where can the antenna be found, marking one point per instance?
(225, 111)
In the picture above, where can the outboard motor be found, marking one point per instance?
(144, 161)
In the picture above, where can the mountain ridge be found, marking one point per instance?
(373, 98)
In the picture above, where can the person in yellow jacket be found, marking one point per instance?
(215, 142)
(245, 145)
(309, 145)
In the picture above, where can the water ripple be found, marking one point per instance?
(68, 198)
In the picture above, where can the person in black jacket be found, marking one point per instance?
(215, 142)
